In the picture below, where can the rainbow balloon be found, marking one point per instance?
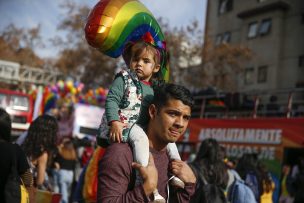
(112, 23)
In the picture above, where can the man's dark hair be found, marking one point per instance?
(5, 125)
(164, 92)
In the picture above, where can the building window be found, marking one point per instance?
(262, 74)
(252, 30)
(302, 18)
(226, 37)
(301, 61)
(265, 27)
(223, 38)
(218, 39)
(225, 6)
(249, 73)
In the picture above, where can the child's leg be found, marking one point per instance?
(172, 151)
(140, 144)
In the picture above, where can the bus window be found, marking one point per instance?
(19, 103)
(3, 100)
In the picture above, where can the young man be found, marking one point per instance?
(169, 116)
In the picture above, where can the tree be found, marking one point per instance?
(222, 64)
(185, 48)
(18, 44)
(197, 64)
(76, 57)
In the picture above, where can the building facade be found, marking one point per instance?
(272, 29)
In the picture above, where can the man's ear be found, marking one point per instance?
(152, 111)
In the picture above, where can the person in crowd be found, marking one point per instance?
(211, 173)
(230, 164)
(169, 114)
(285, 196)
(65, 162)
(65, 117)
(298, 181)
(268, 185)
(236, 191)
(129, 98)
(10, 152)
(247, 169)
(39, 145)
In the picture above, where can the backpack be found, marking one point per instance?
(206, 192)
(252, 182)
(239, 192)
(299, 187)
(14, 189)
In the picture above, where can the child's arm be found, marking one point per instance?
(113, 100)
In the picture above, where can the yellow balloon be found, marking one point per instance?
(70, 85)
(73, 90)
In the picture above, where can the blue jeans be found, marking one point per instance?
(65, 183)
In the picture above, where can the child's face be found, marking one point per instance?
(144, 65)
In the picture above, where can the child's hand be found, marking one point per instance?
(116, 131)
(182, 171)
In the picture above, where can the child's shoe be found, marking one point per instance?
(158, 198)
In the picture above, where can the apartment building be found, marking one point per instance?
(272, 29)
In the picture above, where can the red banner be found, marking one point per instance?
(265, 136)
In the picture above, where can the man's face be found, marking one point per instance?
(169, 122)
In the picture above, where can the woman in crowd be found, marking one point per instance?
(38, 146)
(65, 162)
(211, 173)
(268, 185)
(285, 196)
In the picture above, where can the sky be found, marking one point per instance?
(30, 13)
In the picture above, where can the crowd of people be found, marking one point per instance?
(144, 118)
(47, 161)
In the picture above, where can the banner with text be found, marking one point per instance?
(265, 136)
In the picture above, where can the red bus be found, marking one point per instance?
(20, 107)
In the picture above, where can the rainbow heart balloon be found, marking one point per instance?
(112, 23)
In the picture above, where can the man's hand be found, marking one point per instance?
(116, 131)
(149, 175)
(183, 171)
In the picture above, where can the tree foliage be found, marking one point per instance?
(223, 64)
(18, 44)
(193, 63)
(197, 64)
(185, 48)
(76, 57)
